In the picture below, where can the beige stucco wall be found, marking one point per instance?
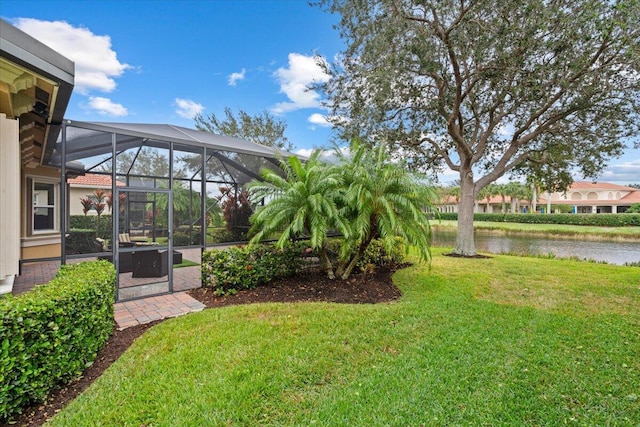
(42, 250)
(42, 245)
(9, 197)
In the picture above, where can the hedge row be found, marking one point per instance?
(237, 268)
(607, 220)
(48, 336)
(232, 269)
(90, 222)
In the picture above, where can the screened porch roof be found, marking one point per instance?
(94, 138)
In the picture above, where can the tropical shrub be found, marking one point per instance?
(50, 334)
(381, 199)
(236, 211)
(302, 203)
(365, 197)
(382, 253)
(187, 236)
(219, 235)
(237, 268)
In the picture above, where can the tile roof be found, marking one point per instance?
(584, 185)
(633, 197)
(93, 180)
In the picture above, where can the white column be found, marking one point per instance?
(9, 202)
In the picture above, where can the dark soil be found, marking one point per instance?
(359, 289)
(476, 256)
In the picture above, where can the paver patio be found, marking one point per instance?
(136, 312)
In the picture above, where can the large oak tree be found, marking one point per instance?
(544, 88)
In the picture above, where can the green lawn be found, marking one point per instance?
(548, 229)
(499, 342)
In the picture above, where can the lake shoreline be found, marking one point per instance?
(630, 234)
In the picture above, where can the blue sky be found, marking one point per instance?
(163, 61)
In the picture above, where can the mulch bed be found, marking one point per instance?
(359, 289)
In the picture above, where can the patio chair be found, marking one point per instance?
(124, 258)
(150, 263)
(124, 240)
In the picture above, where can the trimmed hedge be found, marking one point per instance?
(235, 268)
(87, 222)
(185, 236)
(49, 335)
(605, 220)
(80, 242)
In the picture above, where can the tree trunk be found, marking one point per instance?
(361, 250)
(351, 266)
(534, 200)
(503, 210)
(548, 202)
(327, 263)
(465, 243)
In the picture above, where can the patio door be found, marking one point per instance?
(142, 244)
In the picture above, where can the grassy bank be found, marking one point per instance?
(500, 341)
(557, 230)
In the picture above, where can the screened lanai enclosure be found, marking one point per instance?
(149, 198)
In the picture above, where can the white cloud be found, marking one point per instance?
(235, 77)
(624, 173)
(188, 108)
(106, 107)
(96, 63)
(327, 155)
(319, 119)
(295, 81)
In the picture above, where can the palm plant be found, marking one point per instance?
(502, 191)
(87, 204)
(487, 193)
(99, 204)
(365, 197)
(303, 202)
(381, 200)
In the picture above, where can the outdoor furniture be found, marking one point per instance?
(124, 240)
(150, 263)
(125, 261)
(153, 263)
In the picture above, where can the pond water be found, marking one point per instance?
(610, 251)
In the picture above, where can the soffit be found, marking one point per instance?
(35, 87)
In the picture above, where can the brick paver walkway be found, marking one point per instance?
(132, 313)
(137, 312)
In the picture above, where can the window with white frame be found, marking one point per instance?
(44, 204)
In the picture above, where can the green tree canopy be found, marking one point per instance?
(488, 87)
(262, 128)
(635, 208)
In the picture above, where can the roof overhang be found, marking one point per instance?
(35, 87)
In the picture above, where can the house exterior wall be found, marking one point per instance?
(76, 193)
(39, 244)
(584, 194)
(9, 202)
(581, 197)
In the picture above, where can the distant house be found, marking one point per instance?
(85, 185)
(597, 197)
(582, 197)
